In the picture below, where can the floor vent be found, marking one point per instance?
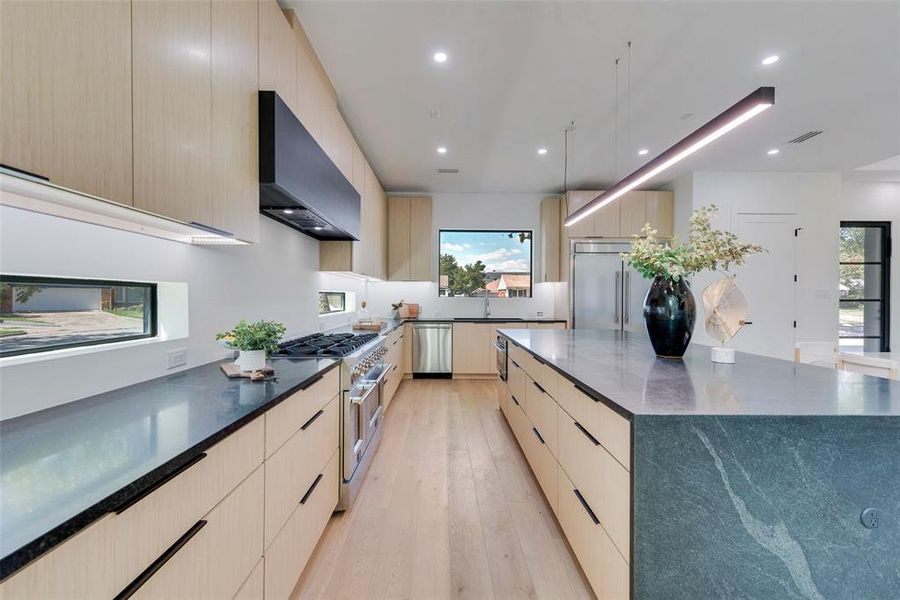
(803, 137)
(449, 171)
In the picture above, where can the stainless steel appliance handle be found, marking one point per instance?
(384, 372)
(499, 347)
(626, 305)
(360, 400)
(618, 294)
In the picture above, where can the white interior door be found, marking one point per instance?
(767, 281)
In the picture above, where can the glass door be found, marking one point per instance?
(864, 289)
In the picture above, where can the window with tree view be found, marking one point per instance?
(477, 263)
(44, 313)
(864, 286)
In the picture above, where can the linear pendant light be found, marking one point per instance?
(744, 110)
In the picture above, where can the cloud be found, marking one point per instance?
(499, 253)
(517, 265)
(453, 247)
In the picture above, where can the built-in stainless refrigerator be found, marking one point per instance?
(605, 293)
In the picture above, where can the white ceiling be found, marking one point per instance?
(518, 72)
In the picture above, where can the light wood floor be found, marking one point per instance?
(449, 508)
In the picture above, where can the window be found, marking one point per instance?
(496, 263)
(332, 302)
(44, 313)
(864, 290)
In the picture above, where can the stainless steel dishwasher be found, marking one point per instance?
(432, 350)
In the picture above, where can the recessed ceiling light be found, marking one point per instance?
(542, 151)
(441, 150)
(440, 57)
(643, 151)
(288, 211)
(770, 60)
(318, 228)
(773, 151)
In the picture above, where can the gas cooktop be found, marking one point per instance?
(322, 344)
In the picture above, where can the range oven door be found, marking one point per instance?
(501, 357)
(364, 411)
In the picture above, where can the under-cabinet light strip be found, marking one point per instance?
(741, 112)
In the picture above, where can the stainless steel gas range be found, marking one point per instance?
(362, 389)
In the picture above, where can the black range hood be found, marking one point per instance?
(299, 185)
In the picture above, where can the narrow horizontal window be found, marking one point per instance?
(38, 314)
(332, 302)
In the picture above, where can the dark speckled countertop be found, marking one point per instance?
(64, 467)
(623, 372)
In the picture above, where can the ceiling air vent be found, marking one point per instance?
(803, 137)
(449, 171)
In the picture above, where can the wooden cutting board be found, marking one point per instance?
(234, 371)
(368, 325)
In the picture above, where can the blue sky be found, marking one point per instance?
(496, 250)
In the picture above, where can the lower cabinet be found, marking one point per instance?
(474, 346)
(292, 547)
(252, 589)
(580, 463)
(219, 551)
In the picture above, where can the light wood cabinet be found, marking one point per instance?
(65, 93)
(252, 588)
(317, 98)
(235, 131)
(471, 351)
(409, 239)
(287, 555)
(661, 212)
(549, 239)
(278, 68)
(172, 117)
(287, 418)
(293, 466)
(622, 218)
(573, 201)
(542, 409)
(407, 349)
(633, 214)
(215, 561)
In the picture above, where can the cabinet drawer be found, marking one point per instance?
(295, 465)
(218, 552)
(601, 480)
(542, 463)
(540, 372)
(286, 418)
(252, 589)
(518, 422)
(606, 570)
(543, 412)
(611, 429)
(287, 556)
(144, 530)
(515, 379)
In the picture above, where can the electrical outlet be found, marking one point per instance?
(176, 358)
(540, 313)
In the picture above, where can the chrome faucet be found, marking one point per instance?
(487, 305)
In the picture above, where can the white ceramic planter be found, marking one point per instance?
(251, 360)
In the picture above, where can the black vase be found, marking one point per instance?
(670, 312)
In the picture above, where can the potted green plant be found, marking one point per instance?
(254, 341)
(669, 308)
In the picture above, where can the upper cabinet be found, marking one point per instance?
(65, 93)
(172, 118)
(549, 239)
(410, 239)
(624, 217)
(235, 131)
(278, 57)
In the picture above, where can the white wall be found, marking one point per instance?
(275, 279)
(877, 201)
(815, 199)
(473, 211)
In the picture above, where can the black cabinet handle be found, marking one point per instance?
(514, 399)
(538, 434)
(587, 507)
(587, 433)
(311, 489)
(586, 392)
(515, 363)
(313, 418)
(157, 564)
(543, 391)
(395, 342)
(312, 383)
(539, 359)
(155, 486)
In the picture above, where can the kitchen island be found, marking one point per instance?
(689, 479)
